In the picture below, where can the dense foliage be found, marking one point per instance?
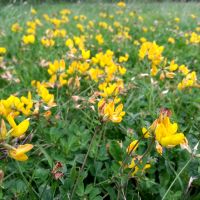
(100, 101)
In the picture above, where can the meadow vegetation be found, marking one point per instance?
(100, 101)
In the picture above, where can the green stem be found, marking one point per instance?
(84, 162)
(177, 176)
(144, 154)
(26, 181)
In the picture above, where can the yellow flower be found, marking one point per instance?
(136, 42)
(194, 38)
(173, 66)
(154, 70)
(122, 70)
(28, 39)
(145, 132)
(2, 50)
(166, 132)
(33, 11)
(189, 81)
(28, 104)
(11, 105)
(16, 28)
(85, 54)
(45, 95)
(69, 43)
(121, 4)
(80, 27)
(56, 67)
(18, 130)
(134, 166)
(57, 72)
(171, 40)
(109, 90)
(123, 58)
(19, 152)
(177, 20)
(152, 51)
(59, 33)
(144, 29)
(47, 42)
(132, 147)
(193, 16)
(99, 39)
(109, 112)
(95, 74)
(183, 69)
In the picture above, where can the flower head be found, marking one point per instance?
(19, 153)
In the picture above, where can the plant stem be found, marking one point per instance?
(84, 162)
(144, 154)
(177, 176)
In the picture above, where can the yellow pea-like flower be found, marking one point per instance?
(18, 130)
(166, 132)
(19, 153)
(132, 146)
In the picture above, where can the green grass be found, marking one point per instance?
(68, 139)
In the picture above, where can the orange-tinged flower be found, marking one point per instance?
(3, 130)
(109, 112)
(19, 152)
(16, 27)
(159, 148)
(189, 81)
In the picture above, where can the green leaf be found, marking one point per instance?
(115, 150)
(94, 193)
(73, 174)
(46, 155)
(80, 189)
(89, 188)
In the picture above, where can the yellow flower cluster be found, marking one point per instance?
(57, 72)
(16, 28)
(10, 109)
(194, 38)
(165, 132)
(43, 92)
(97, 64)
(159, 64)
(154, 54)
(16, 106)
(101, 69)
(136, 160)
(190, 80)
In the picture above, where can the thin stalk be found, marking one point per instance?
(144, 154)
(177, 176)
(84, 162)
(26, 181)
